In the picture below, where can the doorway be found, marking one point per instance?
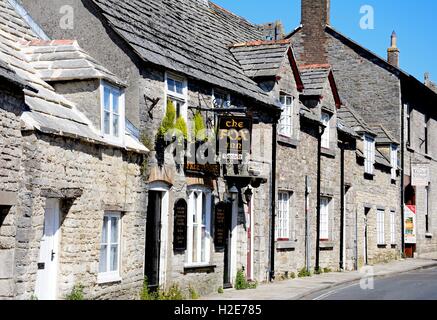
(47, 274)
(156, 237)
(366, 235)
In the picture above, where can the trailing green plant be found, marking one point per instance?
(168, 122)
(193, 293)
(76, 293)
(304, 273)
(181, 126)
(199, 127)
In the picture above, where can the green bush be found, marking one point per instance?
(304, 273)
(220, 290)
(318, 271)
(241, 282)
(168, 122)
(292, 275)
(199, 127)
(327, 270)
(76, 293)
(173, 293)
(193, 293)
(181, 125)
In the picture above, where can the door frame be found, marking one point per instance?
(164, 188)
(40, 284)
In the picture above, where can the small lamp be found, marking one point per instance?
(234, 193)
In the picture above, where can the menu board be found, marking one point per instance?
(180, 226)
(220, 233)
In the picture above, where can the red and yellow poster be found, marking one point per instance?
(410, 225)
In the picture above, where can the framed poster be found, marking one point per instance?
(410, 224)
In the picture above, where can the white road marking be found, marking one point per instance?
(330, 293)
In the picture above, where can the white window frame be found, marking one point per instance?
(196, 208)
(111, 276)
(286, 123)
(326, 137)
(380, 227)
(393, 227)
(180, 97)
(325, 204)
(369, 154)
(394, 161)
(283, 216)
(121, 105)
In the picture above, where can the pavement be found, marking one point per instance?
(299, 288)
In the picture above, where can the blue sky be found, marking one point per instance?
(415, 22)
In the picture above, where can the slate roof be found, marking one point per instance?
(48, 111)
(10, 75)
(314, 78)
(383, 136)
(60, 60)
(350, 118)
(186, 36)
(261, 58)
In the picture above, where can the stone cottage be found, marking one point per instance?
(383, 94)
(73, 212)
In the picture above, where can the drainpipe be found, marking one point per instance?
(319, 178)
(273, 204)
(342, 209)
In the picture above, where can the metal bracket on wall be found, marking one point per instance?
(154, 104)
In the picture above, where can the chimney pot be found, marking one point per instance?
(393, 51)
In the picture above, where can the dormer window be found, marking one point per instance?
(177, 92)
(112, 111)
(369, 153)
(326, 137)
(286, 121)
(221, 99)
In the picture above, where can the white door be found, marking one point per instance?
(46, 280)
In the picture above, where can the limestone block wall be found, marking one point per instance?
(110, 180)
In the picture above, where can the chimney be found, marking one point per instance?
(429, 83)
(393, 51)
(315, 18)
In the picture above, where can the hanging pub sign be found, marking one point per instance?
(221, 209)
(234, 138)
(180, 225)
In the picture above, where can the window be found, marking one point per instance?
(221, 99)
(112, 112)
(199, 225)
(286, 122)
(324, 218)
(369, 153)
(380, 230)
(326, 137)
(394, 161)
(177, 92)
(109, 268)
(283, 217)
(393, 227)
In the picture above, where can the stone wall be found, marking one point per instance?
(11, 106)
(110, 180)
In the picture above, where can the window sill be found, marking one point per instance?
(285, 245)
(106, 279)
(326, 245)
(288, 141)
(330, 153)
(201, 268)
(382, 246)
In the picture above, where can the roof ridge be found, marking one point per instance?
(259, 43)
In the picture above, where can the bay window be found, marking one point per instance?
(286, 121)
(199, 226)
(109, 266)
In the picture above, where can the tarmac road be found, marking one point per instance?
(415, 285)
